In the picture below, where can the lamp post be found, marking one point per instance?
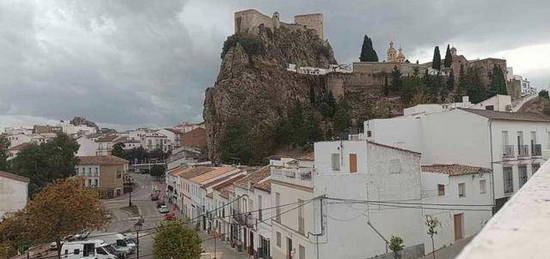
(138, 226)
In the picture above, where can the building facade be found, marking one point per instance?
(106, 173)
(14, 192)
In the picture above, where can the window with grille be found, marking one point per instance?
(440, 190)
(461, 190)
(508, 180)
(522, 171)
(482, 186)
(335, 159)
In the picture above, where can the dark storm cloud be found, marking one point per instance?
(148, 62)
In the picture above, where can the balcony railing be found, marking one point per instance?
(523, 151)
(536, 149)
(508, 151)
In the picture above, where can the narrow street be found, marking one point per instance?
(123, 221)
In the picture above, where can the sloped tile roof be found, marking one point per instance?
(218, 171)
(19, 147)
(255, 177)
(192, 172)
(14, 177)
(454, 169)
(265, 185)
(101, 160)
(515, 116)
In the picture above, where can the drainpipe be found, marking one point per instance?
(492, 167)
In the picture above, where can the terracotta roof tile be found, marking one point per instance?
(107, 138)
(218, 171)
(192, 172)
(454, 169)
(101, 160)
(265, 185)
(255, 177)
(14, 176)
(19, 147)
(515, 116)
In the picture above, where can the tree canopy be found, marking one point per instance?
(62, 208)
(4, 153)
(544, 94)
(368, 54)
(118, 150)
(436, 62)
(448, 57)
(498, 82)
(46, 162)
(176, 240)
(157, 171)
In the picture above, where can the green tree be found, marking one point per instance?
(118, 150)
(235, 146)
(342, 117)
(4, 153)
(544, 94)
(62, 208)
(157, 171)
(448, 57)
(46, 162)
(436, 62)
(177, 241)
(461, 88)
(498, 82)
(396, 80)
(368, 54)
(432, 223)
(474, 86)
(396, 245)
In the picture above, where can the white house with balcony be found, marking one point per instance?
(292, 220)
(508, 143)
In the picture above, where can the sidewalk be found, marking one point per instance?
(451, 251)
(223, 249)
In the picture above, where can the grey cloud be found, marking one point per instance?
(137, 62)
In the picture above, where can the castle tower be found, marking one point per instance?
(401, 56)
(276, 21)
(311, 21)
(392, 53)
(453, 51)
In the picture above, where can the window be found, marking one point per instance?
(520, 138)
(508, 180)
(461, 190)
(369, 133)
(522, 171)
(278, 207)
(96, 182)
(89, 182)
(534, 168)
(482, 186)
(301, 216)
(118, 173)
(302, 251)
(279, 239)
(335, 159)
(352, 163)
(440, 190)
(259, 207)
(96, 173)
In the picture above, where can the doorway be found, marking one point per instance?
(459, 226)
(289, 248)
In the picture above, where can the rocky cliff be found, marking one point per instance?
(253, 90)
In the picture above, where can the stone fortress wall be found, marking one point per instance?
(249, 20)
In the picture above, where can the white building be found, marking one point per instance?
(365, 188)
(456, 185)
(155, 141)
(106, 144)
(17, 131)
(509, 143)
(73, 130)
(14, 192)
(88, 147)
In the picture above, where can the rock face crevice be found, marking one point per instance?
(255, 91)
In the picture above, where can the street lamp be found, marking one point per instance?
(138, 226)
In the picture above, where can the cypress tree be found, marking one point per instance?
(436, 63)
(396, 80)
(498, 83)
(368, 54)
(461, 85)
(448, 58)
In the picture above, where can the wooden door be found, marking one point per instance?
(352, 163)
(459, 226)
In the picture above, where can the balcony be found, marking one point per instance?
(536, 149)
(523, 150)
(297, 176)
(508, 151)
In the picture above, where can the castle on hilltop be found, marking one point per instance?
(250, 20)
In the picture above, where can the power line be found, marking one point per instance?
(409, 203)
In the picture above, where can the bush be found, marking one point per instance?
(252, 46)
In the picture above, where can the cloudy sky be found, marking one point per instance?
(129, 63)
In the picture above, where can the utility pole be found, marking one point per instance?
(214, 245)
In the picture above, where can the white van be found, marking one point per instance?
(122, 244)
(92, 249)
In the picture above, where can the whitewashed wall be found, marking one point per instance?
(13, 195)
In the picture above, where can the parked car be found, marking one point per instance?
(170, 216)
(82, 235)
(96, 249)
(53, 246)
(164, 209)
(155, 195)
(160, 203)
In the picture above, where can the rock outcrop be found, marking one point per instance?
(83, 121)
(253, 88)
